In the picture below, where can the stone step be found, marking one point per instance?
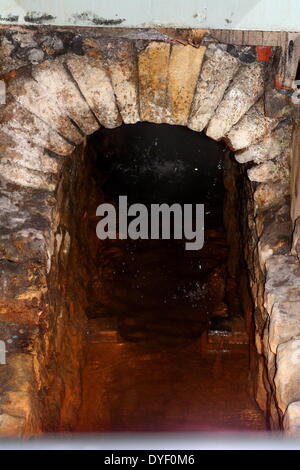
(228, 337)
(103, 330)
(107, 336)
(102, 324)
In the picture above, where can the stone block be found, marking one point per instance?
(22, 153)
(44, 103)
(24, 208)
(291, 421)
(181, 85)
(53, 77)
(287, 378)
(282, 280)
(270, 147)
(253, 126)
(96, 87)
(18, 122)
(245, 90)
(23, 281)
(21, 245)
(153, 66)
(268, 195)
(269, 171)
(123, 72)
(217, 71)
(22, 176)
(284, 323)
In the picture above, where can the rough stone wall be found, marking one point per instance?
(25, 217)
(61, 346)
(52, 104)
(44, 287)
(273, 272)
(236, 276)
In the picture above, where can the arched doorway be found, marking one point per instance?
(45, 117)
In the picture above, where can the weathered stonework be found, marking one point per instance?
(292, 420)
(153, 66)
(268, 195)
(97, 89)
(272, 146)
(44, 103)
(122, 67)
(17, 121)
(53, 77)
(246, 88)
(287, 378)
(252, 127)
(218, 70)
(181, 85)
(267, 172)
(65, 88)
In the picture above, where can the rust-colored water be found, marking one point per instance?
(155, 300)
(127, 387)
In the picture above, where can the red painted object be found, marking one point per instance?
(264, 53)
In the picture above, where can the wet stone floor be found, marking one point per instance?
(151, 366)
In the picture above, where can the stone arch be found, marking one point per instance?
(51, 111)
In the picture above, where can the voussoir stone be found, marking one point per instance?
(217, 71)
(184, 68)
(96, 87)
(24, 126)
(246, 88)
(153, 66)
(52, 75)
(253, 126)
(268, 171)
(287, 378)
(122, 65)
(42, 102)
(269, 147)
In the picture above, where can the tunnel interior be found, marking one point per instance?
(159, 287)
(164, 332)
